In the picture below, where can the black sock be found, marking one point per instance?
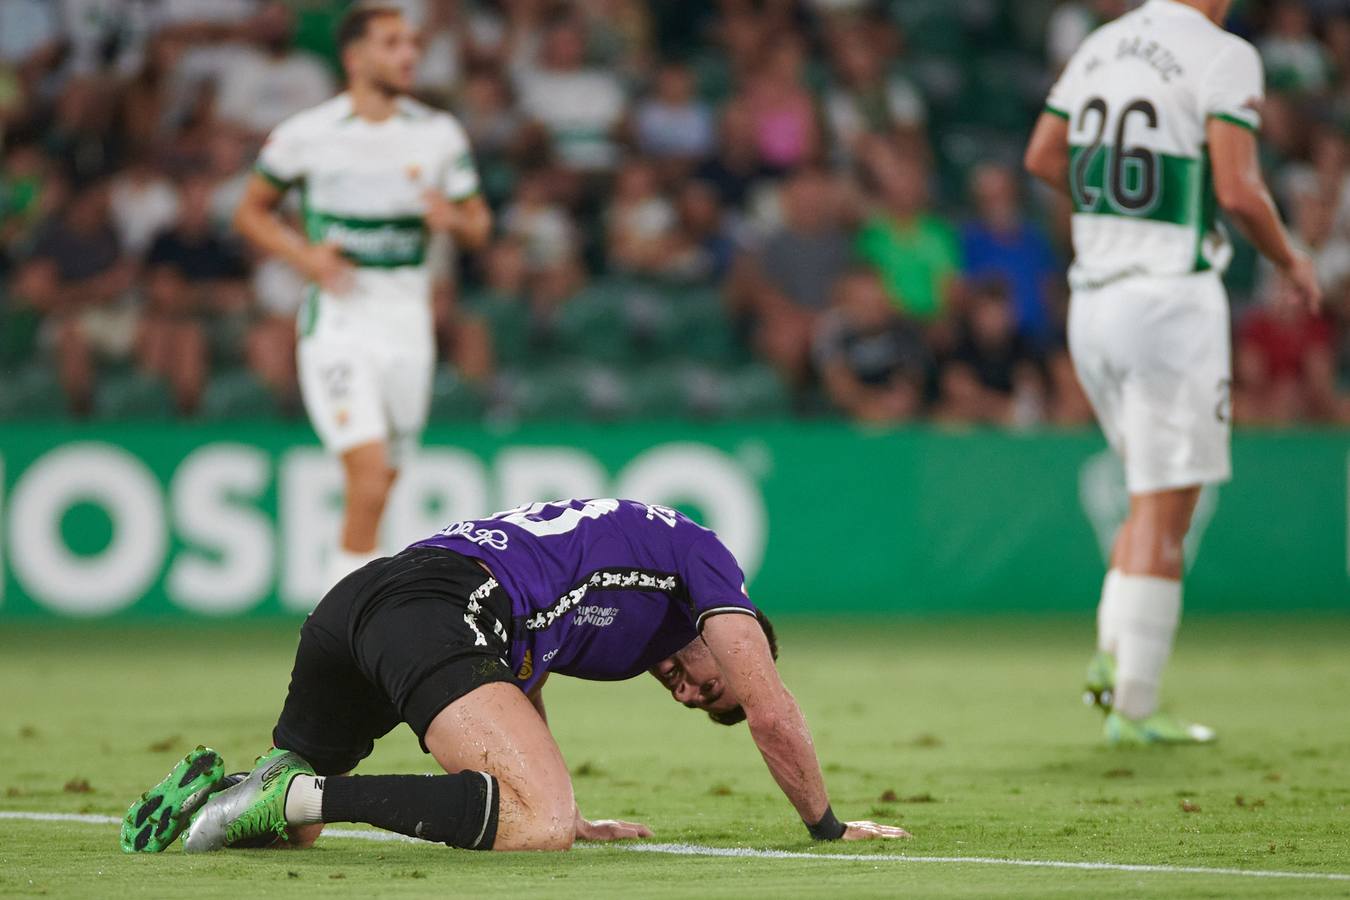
(459, 810)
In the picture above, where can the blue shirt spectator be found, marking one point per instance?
(999, 244)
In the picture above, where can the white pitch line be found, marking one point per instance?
(746, 853)
(90, 819)
(749, 853)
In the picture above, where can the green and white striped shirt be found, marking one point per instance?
(1138, 95)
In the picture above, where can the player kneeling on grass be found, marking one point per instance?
(456, 636)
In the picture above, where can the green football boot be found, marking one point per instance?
(1158, 728)
(156, 819)
(250, 813)
(1101, 681)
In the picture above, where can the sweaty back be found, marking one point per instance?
(600, 589)
(1138, 95)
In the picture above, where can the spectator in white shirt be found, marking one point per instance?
(579, 107)
(263, 84)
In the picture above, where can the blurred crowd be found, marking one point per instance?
(817, 203)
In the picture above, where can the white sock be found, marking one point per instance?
(344, 562)
(1148, 610)
(1108, 614)
(304, 800)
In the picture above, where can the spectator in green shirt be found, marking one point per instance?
(916, 253)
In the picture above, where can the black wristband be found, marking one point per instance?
(828, 828)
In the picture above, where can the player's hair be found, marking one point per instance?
(736, 715)
(356, 22)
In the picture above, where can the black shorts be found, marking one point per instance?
(395, 641)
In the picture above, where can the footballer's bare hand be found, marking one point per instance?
(325, 265)
(441, 214)
(868, 831)
(610, 830)
(1301, 276)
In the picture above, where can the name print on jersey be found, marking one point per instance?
(1162, 60)
(483, 537)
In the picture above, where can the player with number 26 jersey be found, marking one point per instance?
(1149, 130)
(1138, 95)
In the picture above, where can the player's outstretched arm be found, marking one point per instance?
(778, 727)
(1047, 155)
(1241, 191)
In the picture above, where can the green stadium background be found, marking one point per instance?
(156, 521)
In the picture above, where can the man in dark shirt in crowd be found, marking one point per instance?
(77, 278)
(871, 360)
(192, 274)
(993, 375)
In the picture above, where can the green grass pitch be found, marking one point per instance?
(968, 732)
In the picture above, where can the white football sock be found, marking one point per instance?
(344, 562)
(1108, 614)
(304, 800)
(1147, 610)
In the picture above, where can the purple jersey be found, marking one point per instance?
(600, 589)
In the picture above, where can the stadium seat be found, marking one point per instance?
(658, 391)
(553, 393)
(453, 398)
(509, 322)
(591, 326)
(238, 394)
(31, 392)
(755, 391)
(703, 331)
(132, 395)
(934, 25)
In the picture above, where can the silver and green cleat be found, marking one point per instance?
(1159, 728)
(1101, 681)
(156, 819)
(253, 811)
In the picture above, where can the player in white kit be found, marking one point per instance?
(378, 173)
(1151, 124)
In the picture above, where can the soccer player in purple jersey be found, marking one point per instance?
(456, 636)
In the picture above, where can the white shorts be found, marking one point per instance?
(1153, 356)
(366, 379)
